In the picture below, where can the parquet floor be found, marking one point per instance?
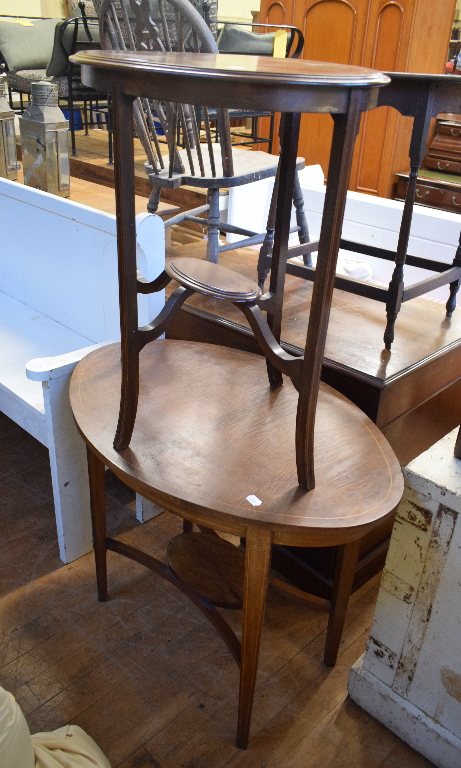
(143, 673)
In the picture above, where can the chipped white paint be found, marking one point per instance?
(410, 676)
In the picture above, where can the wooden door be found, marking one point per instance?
(402, 36)
(392, 35)
(384, 136)
(333, 31)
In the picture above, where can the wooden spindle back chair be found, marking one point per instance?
(175, 26)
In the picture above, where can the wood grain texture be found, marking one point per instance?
(354, 340)
(144, 674)
(399, 36)
(213, 280)
(225, 80)
(211, 568)
(180, 425)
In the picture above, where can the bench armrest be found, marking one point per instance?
(46, 368)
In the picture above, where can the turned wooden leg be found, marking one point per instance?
(265, 252)
(212, 250)
(345, 568)
(454, 287)
(154, 200)
(96, 472)
(257, 561)
(301, 221)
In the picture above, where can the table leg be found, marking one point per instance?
(421, 124)
(96, 472)
(257, 561)
(301, 221)
(342, 587)
(454, 287)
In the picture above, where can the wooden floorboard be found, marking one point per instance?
(144, 673)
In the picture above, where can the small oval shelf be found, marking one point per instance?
(212, 280)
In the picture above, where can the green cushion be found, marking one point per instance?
(27, 47)
(58, 64)
(233, 39)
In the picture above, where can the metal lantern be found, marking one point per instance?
(8, 158)
(44, 141)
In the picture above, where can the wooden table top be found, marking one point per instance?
(355, 331)
(410, 92)
(230, 80)
(210, 435)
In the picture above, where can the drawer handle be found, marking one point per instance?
(455, 132)
(427, 192)
(439, 166)
(453, 200)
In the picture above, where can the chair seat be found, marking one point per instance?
(23, 79)
(232, 455)
(248, 166)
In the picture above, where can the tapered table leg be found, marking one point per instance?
(96, 472)
(342, 587)
(258, 554)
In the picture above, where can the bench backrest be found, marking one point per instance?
(60, 258)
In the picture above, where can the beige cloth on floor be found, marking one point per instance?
(16, 749)
(67, 747)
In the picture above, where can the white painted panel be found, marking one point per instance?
(27, 334)
(27, 417)
(62, 260)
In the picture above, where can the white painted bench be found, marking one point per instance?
(58, 298)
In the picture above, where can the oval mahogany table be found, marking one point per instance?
(209, 439)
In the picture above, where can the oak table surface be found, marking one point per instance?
(183, 450)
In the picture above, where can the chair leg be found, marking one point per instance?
(85, 115)
(257, 561)
(70, 104)
(154, 199)
(96, 471)
(345, 568)
(271, 133)
(109, 130)
(212, 250)
(301, 220)
(265, 252)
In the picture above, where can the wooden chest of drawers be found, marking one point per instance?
(434, 189)
(444, 153)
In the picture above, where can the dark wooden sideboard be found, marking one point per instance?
(439, 180)
(434, 190)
